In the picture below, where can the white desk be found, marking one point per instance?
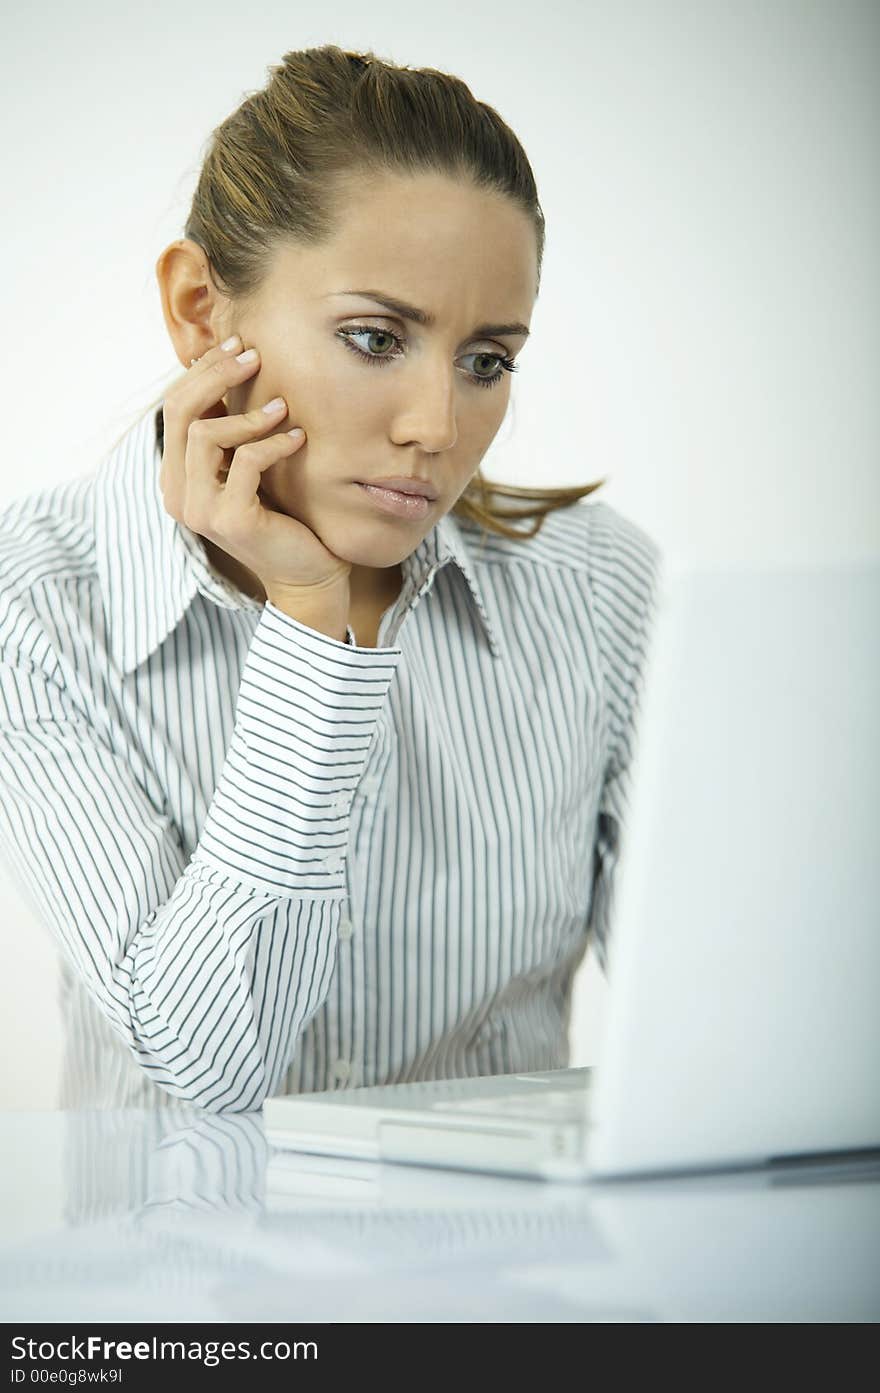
(180, 1215)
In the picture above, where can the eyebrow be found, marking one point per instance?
(399, 307)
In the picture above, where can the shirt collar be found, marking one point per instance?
(150, 567)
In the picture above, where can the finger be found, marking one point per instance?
(249, 464)
(207, 444)
(198, 392)
(172, 473)
(228, 432)
(231, 345)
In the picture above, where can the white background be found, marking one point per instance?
(707, 330)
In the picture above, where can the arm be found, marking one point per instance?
(188, 960)
(626, 585)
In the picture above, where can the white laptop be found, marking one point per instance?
(743, 1015)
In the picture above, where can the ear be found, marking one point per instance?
(191, 303)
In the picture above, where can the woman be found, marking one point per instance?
(317, 786)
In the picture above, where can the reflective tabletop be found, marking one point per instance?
(174, 1214)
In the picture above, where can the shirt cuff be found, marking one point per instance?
(305, 721)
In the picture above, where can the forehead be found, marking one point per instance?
(427, 239)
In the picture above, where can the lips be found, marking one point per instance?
(419, 487)
(414, 506)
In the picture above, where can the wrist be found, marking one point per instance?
(323, 608)
(334, 590)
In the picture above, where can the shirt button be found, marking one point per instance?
(341, 1069)
(369, 786)
(488, 1030)
(346, 930)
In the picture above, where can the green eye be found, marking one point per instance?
(505, 364)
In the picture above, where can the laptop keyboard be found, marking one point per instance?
(544, 1102)
(472, 1094)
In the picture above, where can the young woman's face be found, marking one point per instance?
(427, 404)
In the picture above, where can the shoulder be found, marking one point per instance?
(624, 565)
(46, 541)
(47, 534)
(610, 570)
(590, 543)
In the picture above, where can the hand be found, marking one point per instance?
(211, 469)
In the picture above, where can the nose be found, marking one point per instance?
(428, 416)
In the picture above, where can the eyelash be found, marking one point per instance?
(505, 363)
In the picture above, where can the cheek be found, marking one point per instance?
(354, 400)
(330, 409)
(281, 483)
(478, 429)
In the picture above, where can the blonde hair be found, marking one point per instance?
(277, 168)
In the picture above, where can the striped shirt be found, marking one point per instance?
(276, 862)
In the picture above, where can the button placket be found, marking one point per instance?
(334, 862)
(487, 1032)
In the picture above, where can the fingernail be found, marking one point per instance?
(231, 343)
(274, 405)
(247, 357)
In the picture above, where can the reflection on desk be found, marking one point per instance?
(176, 1214)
